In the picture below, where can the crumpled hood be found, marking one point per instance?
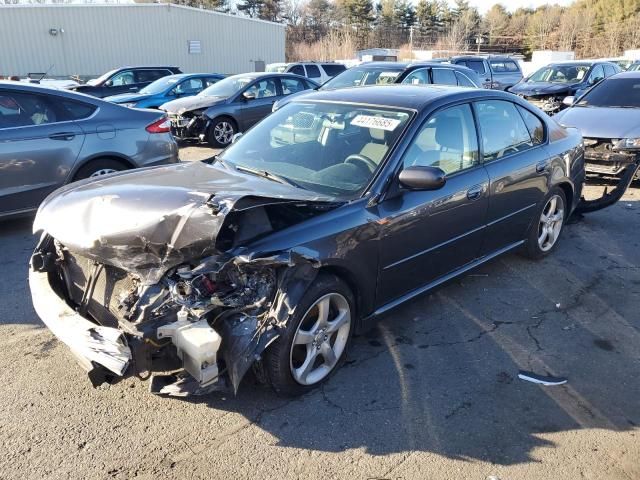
(186, 104)
(543, 88)
(600, 122)
(127, 97)
(154, 219)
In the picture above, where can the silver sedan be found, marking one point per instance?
(51, 137)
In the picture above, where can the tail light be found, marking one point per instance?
(163, 125)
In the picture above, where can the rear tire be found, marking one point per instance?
(547, 225)
(221, 132)
(99, 167)
(312, 345)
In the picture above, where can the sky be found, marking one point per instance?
(512, 5)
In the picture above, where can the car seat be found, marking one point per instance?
(377, 147)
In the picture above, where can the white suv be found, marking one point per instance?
(320, 72)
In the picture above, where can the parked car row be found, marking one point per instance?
(340, 203)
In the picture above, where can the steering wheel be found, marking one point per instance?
(359, 159)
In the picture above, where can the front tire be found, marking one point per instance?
(315, 341)
(221, 132)
(547, 225)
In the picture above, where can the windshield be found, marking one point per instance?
(277, 68)
(359, 76)
(101, 79)
(161, 84)
(613, 92)
(332, 149)
(560, 74)
(227, 87)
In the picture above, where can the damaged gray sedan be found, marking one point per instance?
(331, 212)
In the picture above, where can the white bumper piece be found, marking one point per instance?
(89, 342)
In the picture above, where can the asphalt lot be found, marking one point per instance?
(431, 392)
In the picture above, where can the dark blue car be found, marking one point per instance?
(166, 89)
(547, 87)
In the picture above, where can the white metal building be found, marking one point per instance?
(89, 40)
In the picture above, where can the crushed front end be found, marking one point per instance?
(149, 273)
(615, 159)
(548, 103)
(189, 125)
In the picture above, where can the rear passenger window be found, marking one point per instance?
(333, 69)
(609, 70)
(498, 66)
(145, 76)
(534, 125)
(503, 129)
(297, 70)
(464, 81)
(417, 77)
(313, 71)
(291, 85)
(26, 109)
(511, 66)
(76, 110)
(444, 76)
(447, 141)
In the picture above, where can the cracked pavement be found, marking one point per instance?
(429, 392)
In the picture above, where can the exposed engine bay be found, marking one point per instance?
(170, 294)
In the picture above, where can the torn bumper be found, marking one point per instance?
(96, 347)
(624, 177)
(188, 127)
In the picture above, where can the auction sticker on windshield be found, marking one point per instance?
(369, 121)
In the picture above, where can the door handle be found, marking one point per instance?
(475, 192)
(65, 136)
(541, 167)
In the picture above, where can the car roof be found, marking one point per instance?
(483, 57)
(39, 88)
(408, 97)
(144, 66)
(400, 65)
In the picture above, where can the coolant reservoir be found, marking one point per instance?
(197, 344)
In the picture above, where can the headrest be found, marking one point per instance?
(449, 132)
(377, 134)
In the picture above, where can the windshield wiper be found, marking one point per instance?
(268, 175)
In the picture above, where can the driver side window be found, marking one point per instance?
(447, 140)
(123, 78)
(263, 89)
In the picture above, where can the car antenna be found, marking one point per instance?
(45, 74)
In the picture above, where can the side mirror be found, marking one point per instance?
(108, 83)
(236, 137)
(422, 178)
(249, 96)
(568, 101)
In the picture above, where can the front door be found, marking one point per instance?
(263, 94)
(427, 234)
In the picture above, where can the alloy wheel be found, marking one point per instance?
(102, 171)
(223, 132)
(320, 339)
(551, 221)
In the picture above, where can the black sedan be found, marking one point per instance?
(277, 251)
(124, 80)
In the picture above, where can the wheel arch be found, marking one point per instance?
(100, 156)
(567, 189)
(350, 279)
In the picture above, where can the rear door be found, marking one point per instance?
(518, 167)
(145, 76)
(428, 234)
(39, 144)
(265, 92)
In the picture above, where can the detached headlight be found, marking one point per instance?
(627, 144)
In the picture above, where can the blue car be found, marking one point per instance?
(166, 89)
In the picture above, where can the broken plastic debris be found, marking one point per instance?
(541, 379)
